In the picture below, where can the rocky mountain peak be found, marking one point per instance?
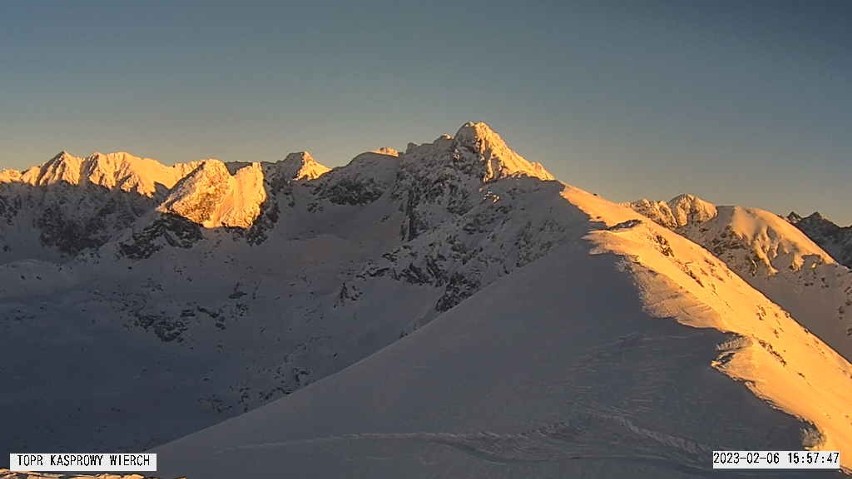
(477, 151)
(688, 209)
(299, 157)
(212, 197)
(836, 240)
(680, 211)
(386, 150)
(63, 167)
(816, 216)
(794, 217)
(117, 170)
(300, 166)
(477, 131)
(498, 159)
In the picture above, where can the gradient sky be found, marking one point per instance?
(744, 102)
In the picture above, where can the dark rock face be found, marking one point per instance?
(460, 251)
(166, 328)
(836, 240)
(168, 229)
(68, 218)
(352, 192)
(269, 214)
(436, 225)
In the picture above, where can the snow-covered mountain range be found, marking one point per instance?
(836, 240)
(449, 310)
(773, 256)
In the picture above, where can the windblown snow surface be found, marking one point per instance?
(577, 365)
(448, 311)
(773, 256)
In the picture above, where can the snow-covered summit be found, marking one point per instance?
(299, 166)
(475, 150)
(765, 240)
(772, 255)
(117, 170)
(499, 160)
(64, 167)
(212, 197)
(517, 344)
(677, 212)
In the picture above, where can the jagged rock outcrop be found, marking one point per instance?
(212, 197)
(119, 170)
(244, 282)
(296, 166)
(677, 212)
(836, 240)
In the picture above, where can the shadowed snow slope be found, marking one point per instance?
(773, 256)
(449, 311)
(566, 368)
(243, 289)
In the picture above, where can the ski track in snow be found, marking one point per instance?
(564, 440)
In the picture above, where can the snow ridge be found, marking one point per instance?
(499, 160)
(243, 283)
(749, 235)
(678, 212)
(554, 402)
(119, 170)
(773, 256)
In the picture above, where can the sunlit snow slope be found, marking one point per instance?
(773, 256)
(450, 310)
(609, 364)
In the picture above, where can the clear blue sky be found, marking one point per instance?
(743, 102)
